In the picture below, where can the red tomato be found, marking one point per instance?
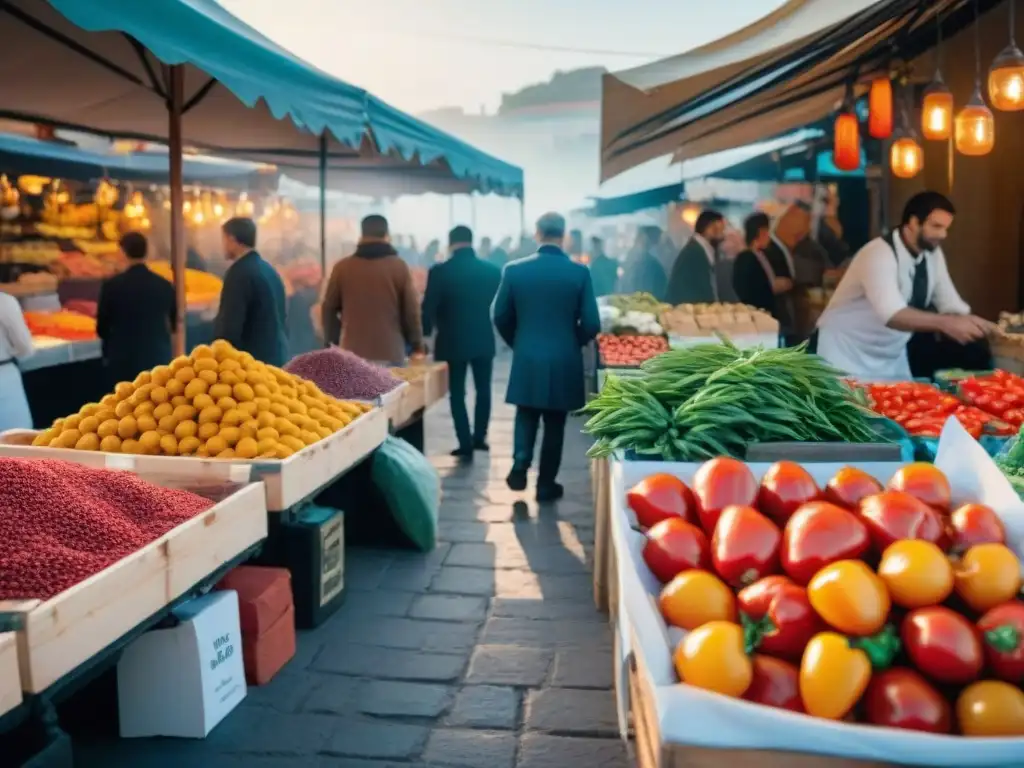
(786, 615)
(661, 496)
(776, 683)
(674, 546)
(925, 482)
(901, 698)
(745, 546)
(784, 487)
(722, 483)
(975, 524)
(942, 644)
(1002, 632)
(820, 533)
(894, 515)
(849, 485)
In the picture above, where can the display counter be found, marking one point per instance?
(50, 352)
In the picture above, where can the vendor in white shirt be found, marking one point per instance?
(895, 287)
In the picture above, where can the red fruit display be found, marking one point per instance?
(943, 645)
(660, 496)
(820, 533)
(1002, 635)
(776, 683)
(674, 546)
(901, 698)
(849, 486)
(626, 351)
(781, 608)
(722, 483)
(925, 482)
(894, 515)
(784, 488)
(745, 546)
(975, 524)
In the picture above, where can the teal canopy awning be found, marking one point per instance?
(98, 65)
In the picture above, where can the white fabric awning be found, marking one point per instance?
(775, 76)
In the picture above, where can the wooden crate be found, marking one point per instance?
(436, 384)
(287, 482)
(1008, 352)
(651, 752)
(404, 402)
(10, 676)
(59, 634)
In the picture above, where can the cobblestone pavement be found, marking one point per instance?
(486, 653)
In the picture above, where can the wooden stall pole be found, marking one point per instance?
(323, 204)
(522, 216)
(175, 78)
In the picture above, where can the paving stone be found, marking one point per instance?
(449, 608)
(544, 751)
(374, 738)
(583, 669)
(380, 602)
(550, 610)
(408, 579)
(392, 632)
(472, 749)
(508, 665)
(540, 558)
(485, 706)
(464, 581)
(567, 711)
(390, 664)
(287, 692)
(566, 633)
(285, 734)
(388, 698)
(332, 695)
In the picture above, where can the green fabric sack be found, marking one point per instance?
(412, 489)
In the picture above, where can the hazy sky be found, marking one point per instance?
(422, 54)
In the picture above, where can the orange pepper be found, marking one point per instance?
(835, 670)
(715, 657)
(850, 597)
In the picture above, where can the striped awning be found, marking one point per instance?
(788, 70)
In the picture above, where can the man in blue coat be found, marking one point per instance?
(546, 311)
(457, 303)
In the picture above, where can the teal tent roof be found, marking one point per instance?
(98, 65)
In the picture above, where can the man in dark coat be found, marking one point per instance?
(604, 270)
(643, 271)
(136, 315)
(753, 278)
(252, 313)
(546, 311)
(457, 302)
(693, 279)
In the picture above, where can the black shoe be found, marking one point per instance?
(481, 445)
(463, 454)
(516, 480)
(549, 492)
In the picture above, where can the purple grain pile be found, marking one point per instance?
(342, 374)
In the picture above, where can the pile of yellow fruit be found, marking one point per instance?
(215, 403)
(200, 287)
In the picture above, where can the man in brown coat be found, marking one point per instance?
(370, 306)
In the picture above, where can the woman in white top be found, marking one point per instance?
(15, 342)
(885, 294)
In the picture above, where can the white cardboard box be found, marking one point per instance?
(184, 680)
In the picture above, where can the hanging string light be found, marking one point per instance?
(846, 136)
(937, 107)
(880, 118)
(975, 132)
(1006, 75)
(906, 157)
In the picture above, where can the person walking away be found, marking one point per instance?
(895, 288)
(546, 311)
(457, 303)
(253, 307)
(644, 273)
(496, 256)
(604, 270)
(753, 278)
(135, 315)
(694, 278)
(370, 304)
(15, 343)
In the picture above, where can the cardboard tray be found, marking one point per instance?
(287, 482)
(10, 677)
(402, 404)
(59, 634)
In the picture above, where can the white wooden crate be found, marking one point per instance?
(10, 677)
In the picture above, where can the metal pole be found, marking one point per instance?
(323, 204)
(472, 211)
(522, 217)
(176, 86)
(451, 211)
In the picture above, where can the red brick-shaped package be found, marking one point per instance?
(264, 595)
(264, 656)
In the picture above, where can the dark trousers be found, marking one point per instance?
(930, 352)
(527, 423)
(482, 368)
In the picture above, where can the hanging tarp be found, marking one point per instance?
(774, 80)
(638, 201)
(96, 65)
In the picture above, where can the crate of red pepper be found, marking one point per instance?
(998, 392)
(628, 350)
(869, 613)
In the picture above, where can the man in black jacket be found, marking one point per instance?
(753, 277)
(136, 315)
(693, 279)
(252, 313)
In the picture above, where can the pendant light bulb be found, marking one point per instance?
(1006, 75)
(975, 127)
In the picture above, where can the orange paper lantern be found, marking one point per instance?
(846, 147)
(1006, 80)
(906, 158)
(937, 112)
(880, 117)
(975, 128)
